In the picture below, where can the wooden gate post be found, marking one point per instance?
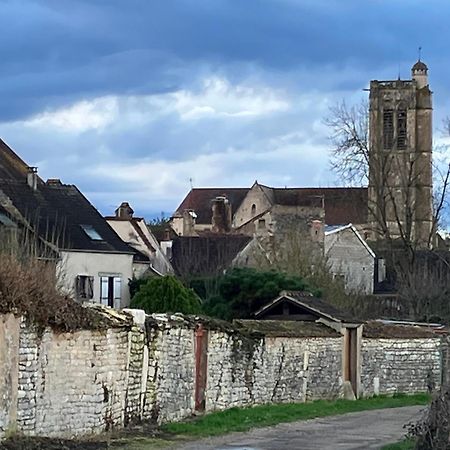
(201, 366)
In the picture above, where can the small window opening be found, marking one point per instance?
(261, 224)
(401, 129)
(84, 287)
(253, 209)
(91, 232)
(388, 129)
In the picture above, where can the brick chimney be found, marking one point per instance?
(189, 218)
(221, 215)
(124, 211)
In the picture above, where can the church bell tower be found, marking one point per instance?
(400, 158)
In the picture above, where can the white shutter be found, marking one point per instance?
(117, 291)
(104, 290)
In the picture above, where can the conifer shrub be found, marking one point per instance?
(166, 295)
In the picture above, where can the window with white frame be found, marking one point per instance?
(84, 287)
(110, 289)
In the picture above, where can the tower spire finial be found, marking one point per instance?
(420, 52)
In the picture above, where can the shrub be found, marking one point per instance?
(166, 295)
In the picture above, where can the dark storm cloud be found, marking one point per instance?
(53, 51)
(310, 53)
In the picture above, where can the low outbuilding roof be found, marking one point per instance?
(314, 305)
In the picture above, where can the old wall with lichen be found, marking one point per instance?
(72, 383)
(171, 369)
(394, 365)
(147, 368)
(243, 371)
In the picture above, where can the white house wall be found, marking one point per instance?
(128, 234)
(74, 263)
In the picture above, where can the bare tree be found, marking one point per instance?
(349, 139)
(392, 211)
(392, 206)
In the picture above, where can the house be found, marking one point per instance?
(55, 221)
(350, 258)
(195, 212)
(149, 259)
(248, 206)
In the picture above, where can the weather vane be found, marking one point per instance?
(420, 52)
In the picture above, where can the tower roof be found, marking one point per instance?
(419, 65)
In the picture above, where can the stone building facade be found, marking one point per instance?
(400, 157)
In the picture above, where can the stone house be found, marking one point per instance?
(247, 207)
(55, 221)
(351, 259)
(149, 259)
(283, 224)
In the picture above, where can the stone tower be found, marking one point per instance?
(400, 154)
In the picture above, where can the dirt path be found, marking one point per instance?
(362, 430)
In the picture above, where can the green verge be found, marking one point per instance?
(242, 419)
(406, 444)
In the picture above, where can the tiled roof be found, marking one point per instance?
(342, 205)
(57, 212)
(199, 199)
(208, 254)
(11, 166)
(287, 328)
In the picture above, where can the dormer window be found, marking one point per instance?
(91, 232)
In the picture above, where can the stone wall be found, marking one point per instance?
(171, 369)
(243, 372)
(72, 384)
(397, 365)
(9, 368)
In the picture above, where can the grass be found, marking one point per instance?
(243, 419)
(406, 444)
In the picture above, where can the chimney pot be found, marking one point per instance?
(124, 211)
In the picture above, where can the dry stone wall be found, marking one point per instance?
(395, 365)
(72, 384)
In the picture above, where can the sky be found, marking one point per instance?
(139, 100)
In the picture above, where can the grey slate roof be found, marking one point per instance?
(55, 211)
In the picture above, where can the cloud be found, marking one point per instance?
(222, 92)
(219, 98)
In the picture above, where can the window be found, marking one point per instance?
(401, 129)
(84, 287)
(253, 209)
(110, 290)
(261, 224)
(388, 129)
(91, 232)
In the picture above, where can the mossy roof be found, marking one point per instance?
(379, 330)
(286, 328)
